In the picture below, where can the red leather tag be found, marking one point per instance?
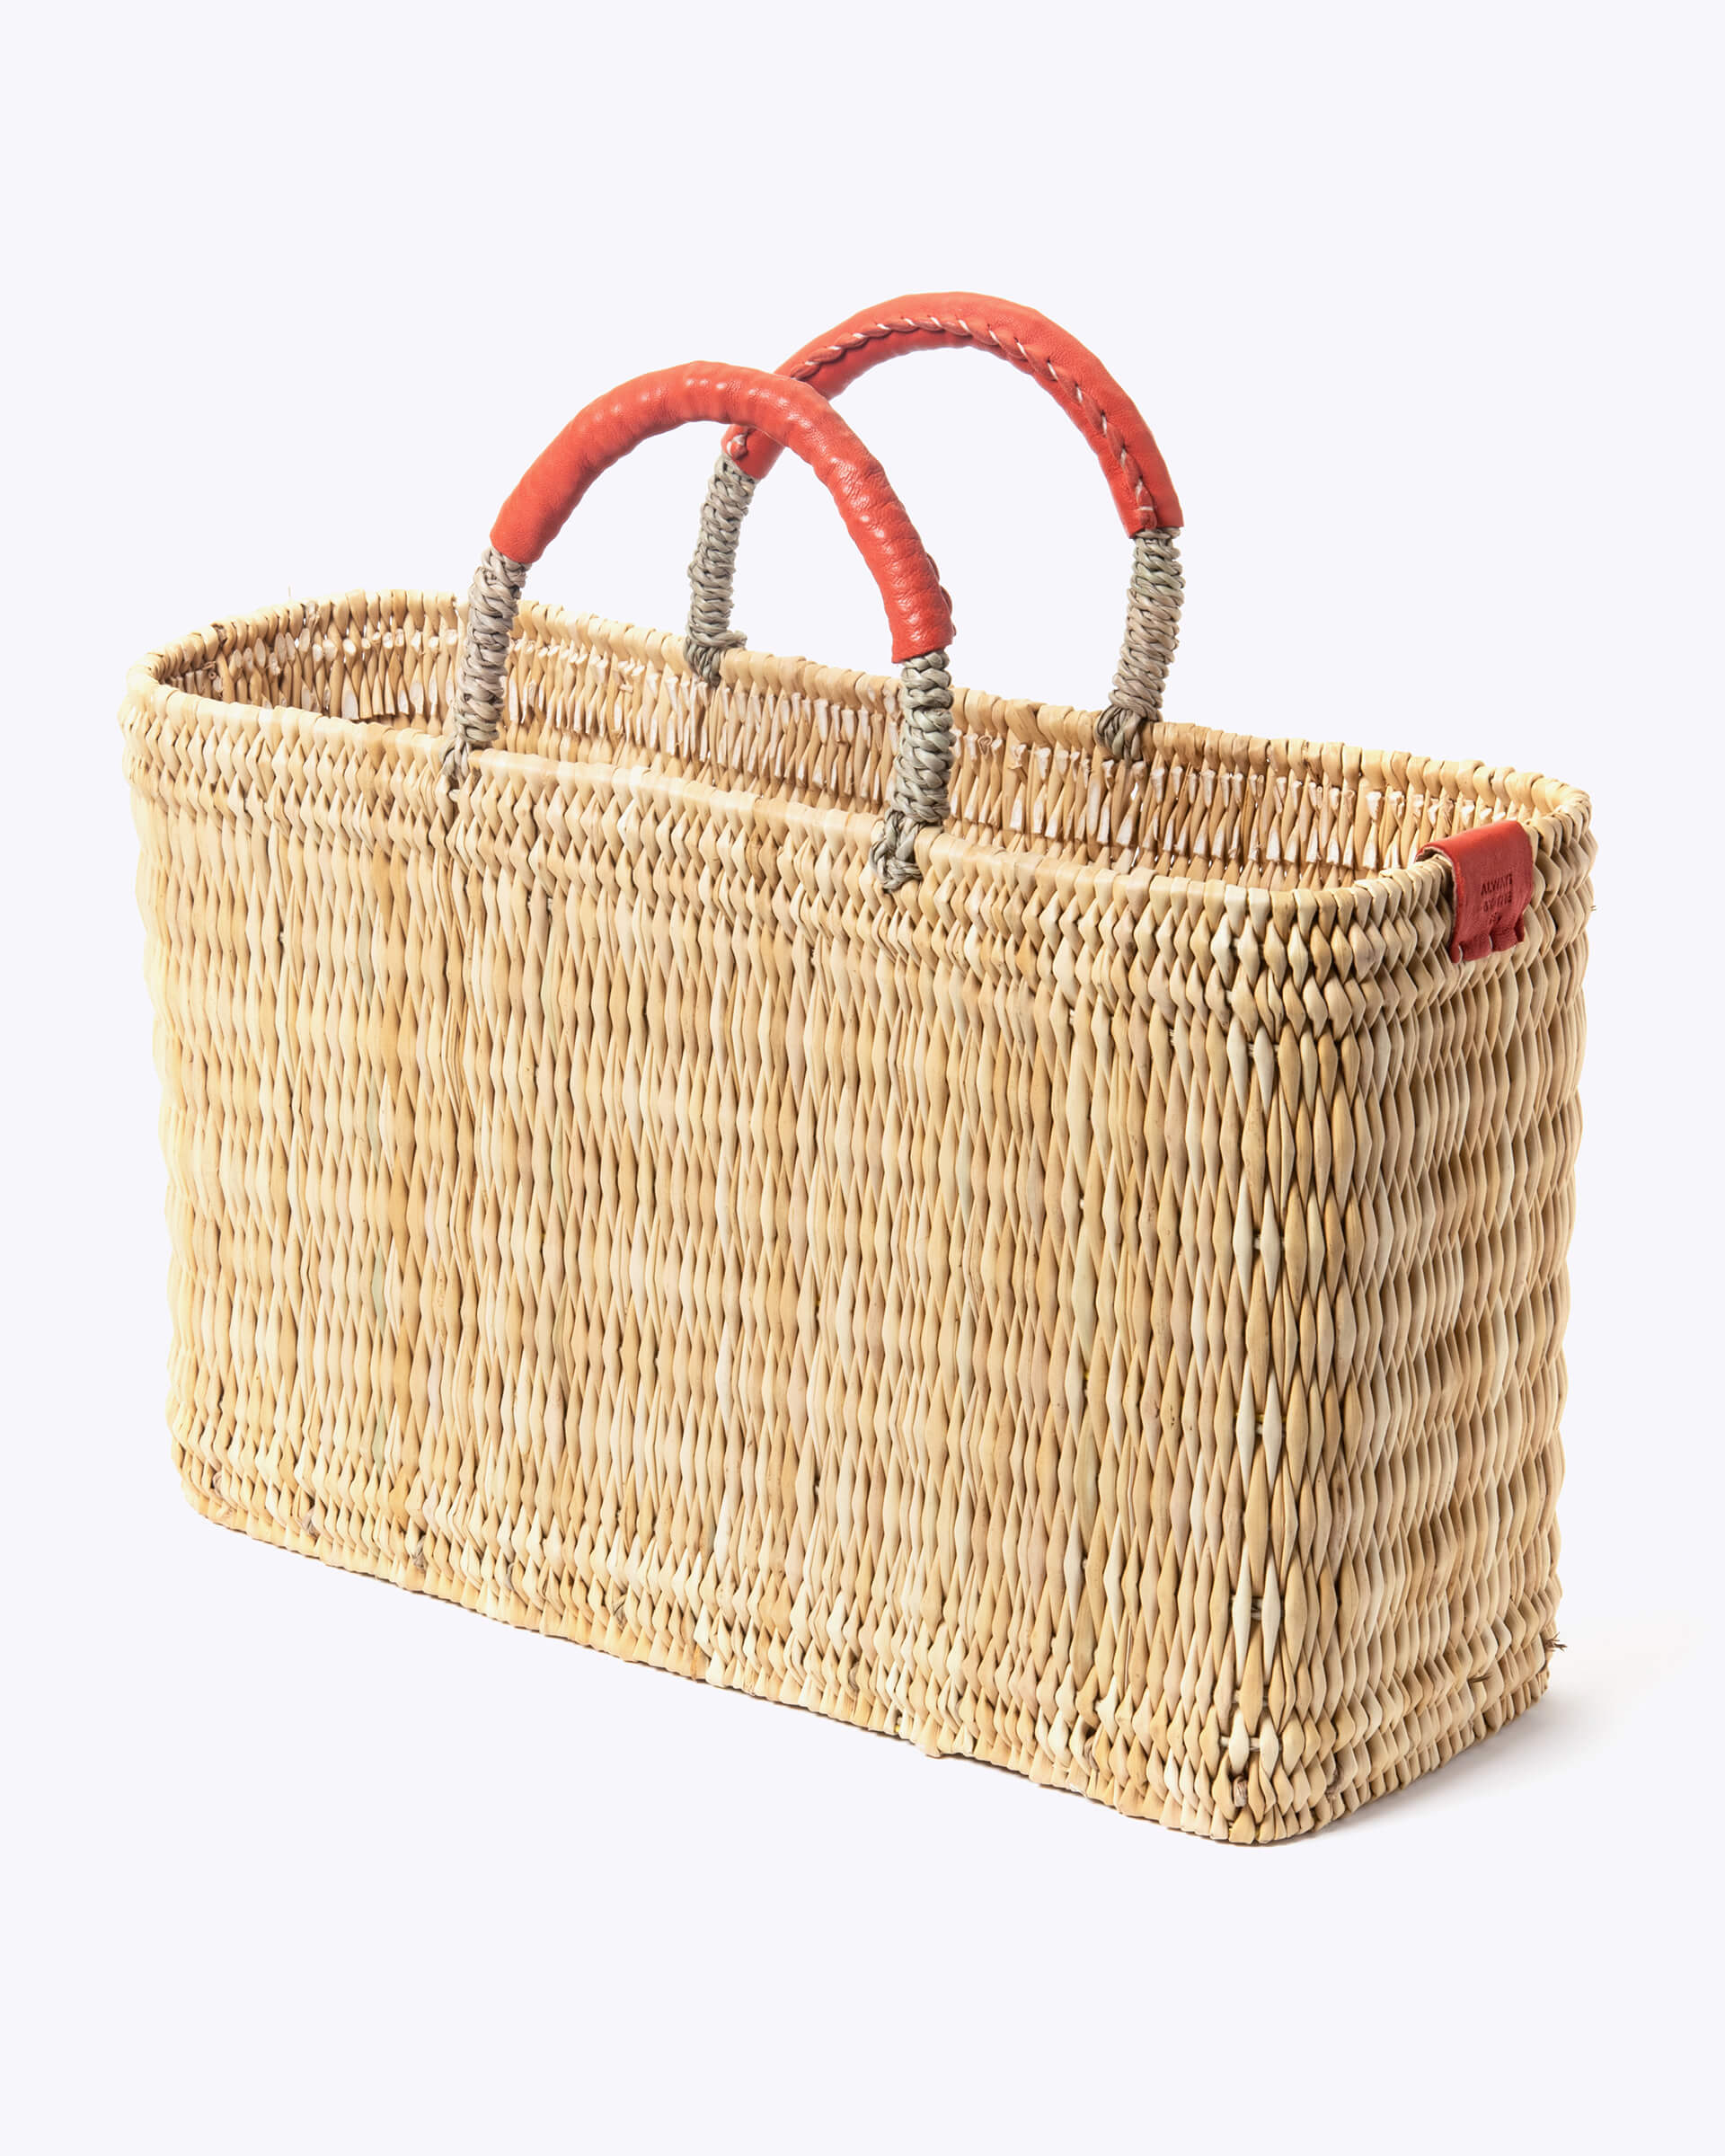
(1493, 867)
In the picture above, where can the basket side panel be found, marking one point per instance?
(1440, 1305)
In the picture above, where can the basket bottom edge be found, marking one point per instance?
(935, 1734)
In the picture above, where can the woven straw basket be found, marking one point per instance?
(863, 1191)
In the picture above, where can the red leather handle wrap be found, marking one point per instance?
(788, 414)
(927, 322)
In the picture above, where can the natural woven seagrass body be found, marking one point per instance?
(1098, 1309)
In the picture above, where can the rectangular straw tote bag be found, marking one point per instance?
(1041, 1234)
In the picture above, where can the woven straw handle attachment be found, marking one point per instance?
(794, 416)
(1085, 391)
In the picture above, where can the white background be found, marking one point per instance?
(1423, 304)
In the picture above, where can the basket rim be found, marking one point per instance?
(1024, 722)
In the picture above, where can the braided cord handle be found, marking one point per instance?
(1138, 477)
(793, 416)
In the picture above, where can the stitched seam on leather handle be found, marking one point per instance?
(831, 354)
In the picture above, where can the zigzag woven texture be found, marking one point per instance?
(1099, 1309)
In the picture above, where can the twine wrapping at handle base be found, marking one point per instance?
(481, 690)
(713, 569)
(1153, 603)
(917, 794)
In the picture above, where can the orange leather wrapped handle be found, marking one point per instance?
(924, 321)
(788, 414)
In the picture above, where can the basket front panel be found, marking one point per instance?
(1108, 1327)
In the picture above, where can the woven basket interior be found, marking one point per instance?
(1218, 807)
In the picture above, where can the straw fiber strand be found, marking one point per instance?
(1098, 1310)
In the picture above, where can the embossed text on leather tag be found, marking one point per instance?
(1493, 866)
